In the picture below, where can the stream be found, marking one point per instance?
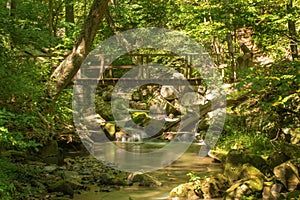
(170, 176)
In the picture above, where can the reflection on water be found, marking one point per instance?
(144, 157)
(171, 176)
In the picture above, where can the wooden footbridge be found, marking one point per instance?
(110, 71)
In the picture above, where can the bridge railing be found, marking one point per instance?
(110, 71)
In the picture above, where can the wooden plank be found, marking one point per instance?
(134, 82)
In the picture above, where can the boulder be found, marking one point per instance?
(138, 105)
(140, 118)
(110, 128)
(50, 152)
(192, 99)
(103, 108)
(272, 191)
(184, 191)
(62, 186)
(213, 187)
(276, 158)
(288, 175)
(169, 92)
(250, 180)
(236, 158)
(144, 180)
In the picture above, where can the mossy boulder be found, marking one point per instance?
(103, 108)
(277, 158)
(250, 180)
(236, 158)
(63, 187)
(144, 180)
(140, 118)
(110, 128)
(50, 152)
(213, 187)
(184, 191)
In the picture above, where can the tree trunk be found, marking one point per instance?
(65, 72)
(69, 7)
(12, 6)
(292, 32)
(51, 29)
(231, 53)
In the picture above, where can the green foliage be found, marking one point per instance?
(63, 109)
(6, 176)
(277, 91)
(274, 104)
(237, 132)
(10, 126)
(14, 180)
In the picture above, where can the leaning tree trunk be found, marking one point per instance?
(65, 72)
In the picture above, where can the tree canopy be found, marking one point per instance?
(254, 45)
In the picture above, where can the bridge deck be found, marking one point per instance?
(135, 82)
(109, 73)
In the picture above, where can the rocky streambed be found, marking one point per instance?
(84, 177)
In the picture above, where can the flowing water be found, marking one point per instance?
(170, 176)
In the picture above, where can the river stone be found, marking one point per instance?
(144, 180)
(94, 119)
(98, 136)
(169, 92)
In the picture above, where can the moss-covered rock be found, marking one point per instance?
(110, 128)
(213, 187)
(236, 158)
(277, 158)
(140, 118)
(250, 180)
(144, 180)
(50, 152)
(184, 191)
(62, 186)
